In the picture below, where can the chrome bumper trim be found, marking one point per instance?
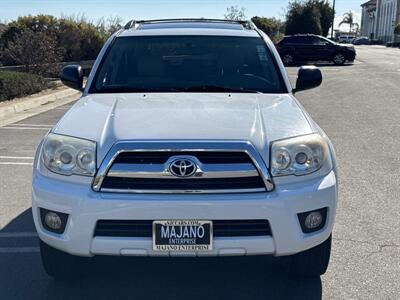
(161, 171)
(230, 191)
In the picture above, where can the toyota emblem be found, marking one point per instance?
(182, 167)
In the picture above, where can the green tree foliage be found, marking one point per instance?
(311, 16)
(271, 26)
(326, 15)
(235, 13)
(302, 18)
(81, 40)
(348, 18)
(3, 27)
(76, 37)
(36, 51)
(109, 25)
(40, 23)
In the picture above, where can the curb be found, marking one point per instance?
(21, 108)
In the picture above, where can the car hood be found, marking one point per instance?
(347, 46)
(258, 118)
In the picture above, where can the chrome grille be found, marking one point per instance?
(147, 169)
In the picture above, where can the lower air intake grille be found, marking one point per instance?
(143, 228)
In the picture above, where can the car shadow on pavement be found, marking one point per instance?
(320, 65)
(188, 278)
(253, 277)
(22, 223)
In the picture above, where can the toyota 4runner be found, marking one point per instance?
(187, 141)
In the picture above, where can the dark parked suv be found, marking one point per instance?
(298, 48)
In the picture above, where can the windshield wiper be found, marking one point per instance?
(218, 88)
(200, 88)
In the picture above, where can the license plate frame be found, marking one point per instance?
(197, 237)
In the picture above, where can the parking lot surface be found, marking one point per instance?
(357, 105)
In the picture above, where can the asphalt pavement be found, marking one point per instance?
(358, 106)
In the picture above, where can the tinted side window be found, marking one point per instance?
(284, 41)
(292, 40)
(287, 40)
(318, 41)
(305, 40)
(300, 40)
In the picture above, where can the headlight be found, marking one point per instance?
(298, 156)
(68, 155)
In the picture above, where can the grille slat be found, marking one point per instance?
(221, 228)
(161, 157)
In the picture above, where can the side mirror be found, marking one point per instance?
(72, 76)
(308, 77)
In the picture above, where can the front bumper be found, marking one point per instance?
(280, 207)
(351, 55)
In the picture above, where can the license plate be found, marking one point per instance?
(182, 235)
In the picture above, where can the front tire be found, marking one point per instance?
(61, 265)
(310, 263)
(339, 59)
(288, 59)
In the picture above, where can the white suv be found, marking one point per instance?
(187, 141)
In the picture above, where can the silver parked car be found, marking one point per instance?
(188, 141)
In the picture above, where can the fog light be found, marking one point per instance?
(313, 220)
(53, 221)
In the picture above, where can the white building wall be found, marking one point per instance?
(368, 22)
(386, 19)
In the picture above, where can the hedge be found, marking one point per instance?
(17, 84)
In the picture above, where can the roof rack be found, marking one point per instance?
(134, 23)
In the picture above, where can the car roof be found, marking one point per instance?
(189, 27)
(301, 34)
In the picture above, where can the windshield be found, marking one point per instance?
(328, 40)
(188, 64)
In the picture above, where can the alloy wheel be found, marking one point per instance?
(339, 59)
(288, 59)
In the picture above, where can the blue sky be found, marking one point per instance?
(146, 9)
